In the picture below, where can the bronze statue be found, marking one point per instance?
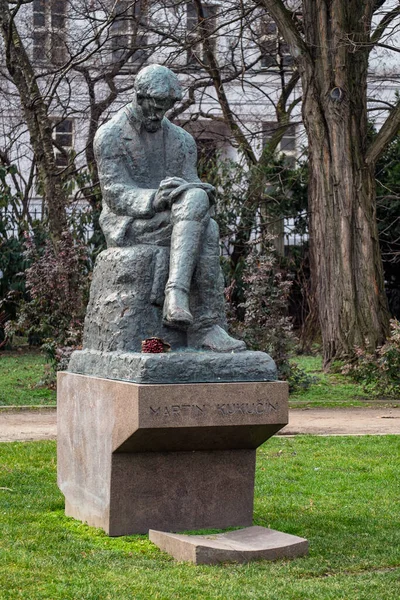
(159, 283)
(152, 196)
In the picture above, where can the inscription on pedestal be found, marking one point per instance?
(174, 410)
(246, 408)
(230, 408)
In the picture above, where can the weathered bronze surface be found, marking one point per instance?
(160, 275)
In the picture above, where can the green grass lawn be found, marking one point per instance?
(20, 377)
(340, 493)
(21, 374)
(332, 389)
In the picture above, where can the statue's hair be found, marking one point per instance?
(156, 80)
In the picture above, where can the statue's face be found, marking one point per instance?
(153, 111)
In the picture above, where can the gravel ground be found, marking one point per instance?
(41, 424)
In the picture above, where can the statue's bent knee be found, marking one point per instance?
(213, 231)
(192, 205)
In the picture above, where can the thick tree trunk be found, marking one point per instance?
(346, 262)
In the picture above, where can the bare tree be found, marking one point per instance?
(55, 72)
(223, 44)
(36, 115)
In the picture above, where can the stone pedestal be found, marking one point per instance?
(134, 457)
(239, 546)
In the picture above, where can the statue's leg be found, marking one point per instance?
(189, 218)
(207, 303)
(208, 331)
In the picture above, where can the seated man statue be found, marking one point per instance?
(153, 196)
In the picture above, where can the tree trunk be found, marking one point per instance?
(38, 122)
(40, 131)
(346, 264)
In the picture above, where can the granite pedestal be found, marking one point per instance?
(134, 457)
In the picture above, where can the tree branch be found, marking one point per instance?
(387, 47)
(215, 74)
(377, 4)
(285, 22)
(384, 23)
(288, 89)
(385, 135)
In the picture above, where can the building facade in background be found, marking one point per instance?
(233, 65)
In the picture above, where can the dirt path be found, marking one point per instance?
(343, 421)
(28, 425)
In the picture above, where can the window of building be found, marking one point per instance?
(206, 155)
(128, 39)
(274, 50)
(63, 133)
(49, 21)
(211, 137)
(197, 28)
(287, 144)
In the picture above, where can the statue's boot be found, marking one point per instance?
(185, 242)
(215, 339)
(176, 311)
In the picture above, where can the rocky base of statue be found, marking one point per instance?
(127, 306)
(167, 457)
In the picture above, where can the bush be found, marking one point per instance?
(299, 380)
(379, 373)
(12, 261)
(266, 325)
(58, 285)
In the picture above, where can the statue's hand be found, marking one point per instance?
(162, 199)
(172, 182)
(171, 188)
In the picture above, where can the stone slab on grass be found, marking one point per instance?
(241, 546)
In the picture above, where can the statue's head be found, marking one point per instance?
(157, 89)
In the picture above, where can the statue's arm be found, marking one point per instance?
(119, 190)
(190, 167)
